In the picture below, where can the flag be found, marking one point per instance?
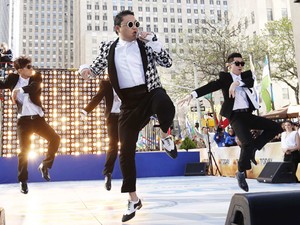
(266, 86)
(255, 85)
(189, 128)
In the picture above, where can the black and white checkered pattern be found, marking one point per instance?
(152, 79)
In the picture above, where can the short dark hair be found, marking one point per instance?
(21, 62)
(232, 56)
(119, 17)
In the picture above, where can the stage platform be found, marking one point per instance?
(176, 200)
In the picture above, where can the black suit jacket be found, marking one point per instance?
(33, 88)
(106, 92)
(224, 83)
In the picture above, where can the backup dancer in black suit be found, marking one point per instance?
(238, 107)
(26, 92)
(131, 64)
(112, 110)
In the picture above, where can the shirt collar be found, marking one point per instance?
(236, 77)
(124, 43)
(23, 79)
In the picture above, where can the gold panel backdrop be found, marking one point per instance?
(64, 94)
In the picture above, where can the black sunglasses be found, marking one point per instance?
(239, 63)
(130, 24)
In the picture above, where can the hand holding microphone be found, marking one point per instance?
(146, 36)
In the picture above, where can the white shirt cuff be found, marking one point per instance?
(84, 112)
(155, 45)
(83, 67)
(194, 94)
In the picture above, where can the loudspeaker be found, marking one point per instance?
(2, 216)
(277, 172)
(264, 208)
(195, 169)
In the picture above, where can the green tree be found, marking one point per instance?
(282, 53)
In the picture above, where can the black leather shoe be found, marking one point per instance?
(24, 187)
(108, 181)
(44, 171)
(130, 212)
(252, 159)
(240, 176)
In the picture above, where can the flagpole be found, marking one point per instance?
(271, 85)
(196, 86)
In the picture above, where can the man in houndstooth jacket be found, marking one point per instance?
(131, 62)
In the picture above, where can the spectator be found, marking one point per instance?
(220, 136)
(5, 56)
(290, 145)
(231, 138)
(207, 137)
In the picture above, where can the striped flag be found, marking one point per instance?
(255, 86)
(266, 86)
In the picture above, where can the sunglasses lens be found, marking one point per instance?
(29, 66)
(137, 23)
(239, 63)
(130, 24)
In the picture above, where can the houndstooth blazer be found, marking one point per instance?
(105, 59)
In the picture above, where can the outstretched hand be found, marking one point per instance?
(187, 99)
(232, 89)
(85, 74)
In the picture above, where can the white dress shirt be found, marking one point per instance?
(240, 100)
(28, 107)
(129, 64)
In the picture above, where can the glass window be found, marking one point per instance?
(284, 13)
(285, 93)
(269, 14)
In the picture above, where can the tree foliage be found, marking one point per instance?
(282, 53)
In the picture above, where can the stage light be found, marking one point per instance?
(64, 94)
(32, 155)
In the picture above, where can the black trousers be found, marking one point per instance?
(242, 123)
(294, 157)
(25, 128)
(112, 153)
(137, 108)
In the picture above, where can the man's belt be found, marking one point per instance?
(32, 117)
(242, 110)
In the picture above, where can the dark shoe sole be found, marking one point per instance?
(130, 216)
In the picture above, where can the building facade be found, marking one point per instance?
(4, 21)
(44, 30)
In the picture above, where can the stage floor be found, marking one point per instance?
(197, 200)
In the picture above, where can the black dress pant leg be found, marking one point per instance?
(164, 108)
(112, 153)
(128, 135)
(241, 127)
(243, 123)
(24, 132)
(135, 113)
(43, 129)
